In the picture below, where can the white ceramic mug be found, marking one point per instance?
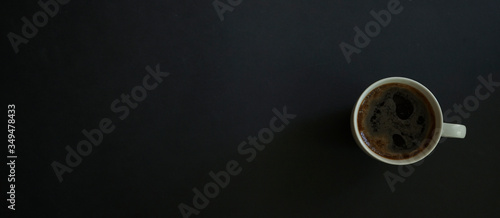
(441, 129)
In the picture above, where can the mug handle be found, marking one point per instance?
(451, 130)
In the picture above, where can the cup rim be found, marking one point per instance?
(436, 109)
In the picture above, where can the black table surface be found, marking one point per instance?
(172, 93)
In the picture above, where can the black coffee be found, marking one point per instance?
(395, 121)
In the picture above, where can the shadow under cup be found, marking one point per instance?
(434, 110)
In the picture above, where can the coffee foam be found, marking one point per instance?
(395, 121)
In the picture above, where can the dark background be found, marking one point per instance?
(225, 79)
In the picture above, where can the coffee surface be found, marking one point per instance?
(395, 121)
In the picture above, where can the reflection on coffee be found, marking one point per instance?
(396, 121)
